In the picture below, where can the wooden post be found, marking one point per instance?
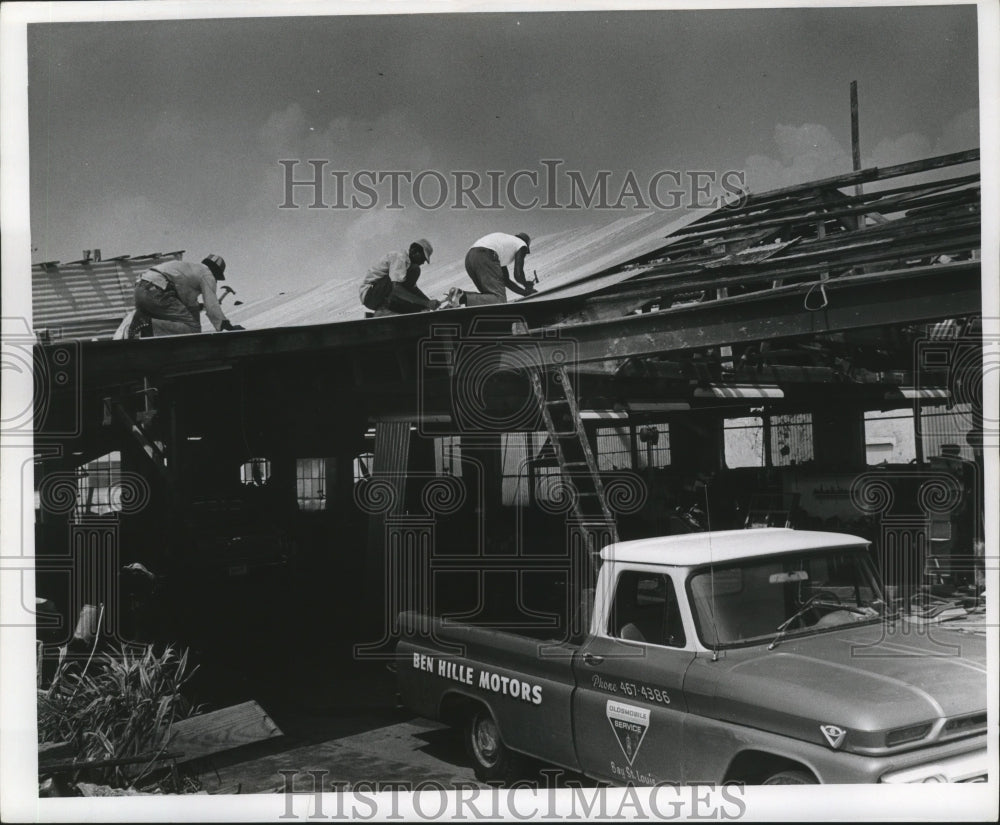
(856, 158)
(855, 134)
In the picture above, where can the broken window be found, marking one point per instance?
(791, 439)
(889, 437)
(744, 440)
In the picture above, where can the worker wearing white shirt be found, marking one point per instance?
(487, 265)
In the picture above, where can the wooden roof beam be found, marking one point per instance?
(854, 302)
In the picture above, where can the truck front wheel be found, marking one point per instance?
(491, 759)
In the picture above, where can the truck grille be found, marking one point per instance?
(965, 723)
(901, 735)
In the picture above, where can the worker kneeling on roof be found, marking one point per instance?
(166, 298)
(390, 287)
(487, 262)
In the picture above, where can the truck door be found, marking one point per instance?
(628, 707)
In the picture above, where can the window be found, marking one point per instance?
(753, 601)
(98, 486)
(744, 439)
(653, 441)
(310, 483)
(889, 437)
(645, 609)
(777, 441)
(363, 466)
(528, 458)
(448, 456)
(614, 448)
(946, 431)
(256, 472)
(791, 439)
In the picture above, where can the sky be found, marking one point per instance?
(154, 136)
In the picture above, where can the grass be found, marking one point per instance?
(120, 704)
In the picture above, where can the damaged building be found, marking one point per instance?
(808, 357)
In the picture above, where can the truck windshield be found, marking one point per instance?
(753, 601)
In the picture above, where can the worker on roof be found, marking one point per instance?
(390, 287)
(487, 265)
(166, 298)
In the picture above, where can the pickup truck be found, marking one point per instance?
(766, 656)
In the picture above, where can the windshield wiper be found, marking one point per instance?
(867, 611)
(782, 628)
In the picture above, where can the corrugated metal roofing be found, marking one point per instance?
(568, 263)
(86, 299)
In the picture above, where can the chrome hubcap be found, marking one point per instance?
(485, 740)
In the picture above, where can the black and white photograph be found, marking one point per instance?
(437, 411)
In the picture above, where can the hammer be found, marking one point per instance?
(226, 290)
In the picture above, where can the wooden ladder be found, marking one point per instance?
(561, 413)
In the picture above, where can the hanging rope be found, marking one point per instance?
(822, 290)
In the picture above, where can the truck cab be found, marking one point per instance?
(761, 656)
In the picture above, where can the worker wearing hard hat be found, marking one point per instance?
(390, 287)
(487, 265)
(166, 298)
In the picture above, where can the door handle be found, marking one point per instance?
(592, 659)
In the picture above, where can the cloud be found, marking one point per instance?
(806, 152)
(811, 152)
(890, 151)
(960, 133)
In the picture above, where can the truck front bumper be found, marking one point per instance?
(966, 767)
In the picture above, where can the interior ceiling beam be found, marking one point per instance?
(854, 302)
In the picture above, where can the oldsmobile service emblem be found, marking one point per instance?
(629, 724)
(834, 735)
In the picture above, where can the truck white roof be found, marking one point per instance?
(724, 545)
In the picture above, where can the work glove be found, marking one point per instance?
(227, 326)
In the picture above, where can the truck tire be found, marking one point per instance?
(791, 778)
(491, 760)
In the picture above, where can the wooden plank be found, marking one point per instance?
(221, 730)
(75, 765)
(665, 288)
(845, 206)
(872, 174)
(767, 200)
